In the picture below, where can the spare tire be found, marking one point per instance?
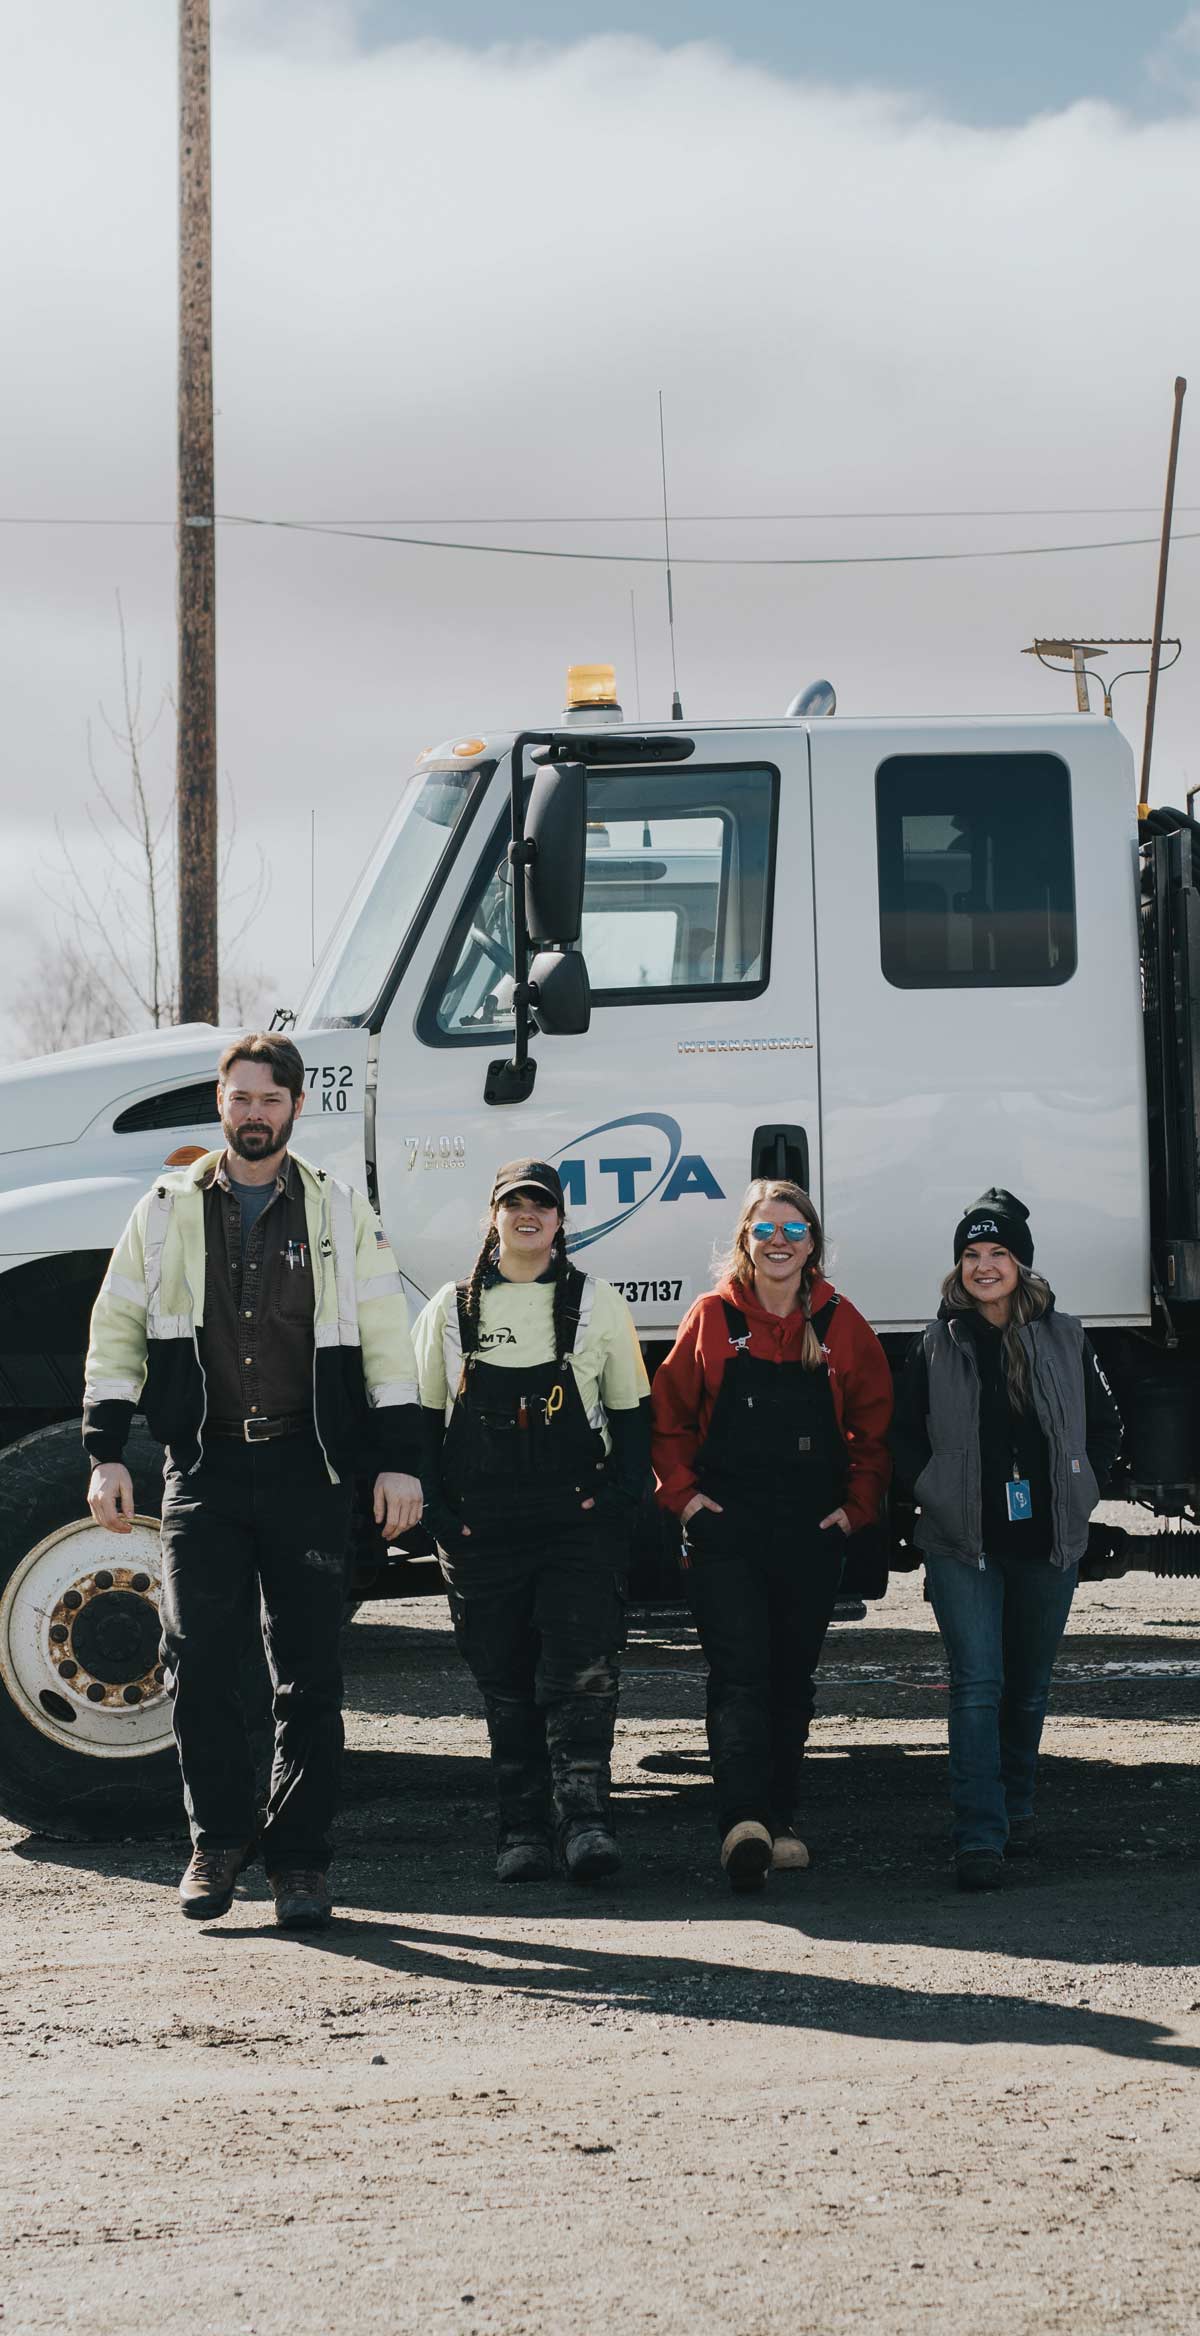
(86, 1749)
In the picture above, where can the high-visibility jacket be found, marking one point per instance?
(144, 1351)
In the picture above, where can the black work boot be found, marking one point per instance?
(979, 1869)
(302, 1900)
(590, 1852)
(524, 1858)
(1022, 1837)
(207, 1887)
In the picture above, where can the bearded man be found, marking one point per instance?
(253, 1311)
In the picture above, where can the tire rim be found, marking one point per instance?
(79, 1633)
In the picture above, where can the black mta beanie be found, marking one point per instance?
(997, 1216)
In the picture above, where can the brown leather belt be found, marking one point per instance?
(261, 1431)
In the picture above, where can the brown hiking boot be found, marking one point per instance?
(302, 1900)
(207, 1887)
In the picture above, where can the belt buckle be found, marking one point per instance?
(248, 1424)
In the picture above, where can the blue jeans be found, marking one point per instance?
(1001, 1624)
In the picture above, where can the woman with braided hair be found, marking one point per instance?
(770, 1415)
(535, 1404)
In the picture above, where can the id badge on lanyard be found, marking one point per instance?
(1019, 1497)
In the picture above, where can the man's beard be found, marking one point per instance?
(257, 1142)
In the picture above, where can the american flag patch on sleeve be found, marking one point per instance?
(381, 1239)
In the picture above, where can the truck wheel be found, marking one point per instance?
(85, 1721)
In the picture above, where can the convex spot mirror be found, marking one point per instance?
(556, 825)
(562, 1002)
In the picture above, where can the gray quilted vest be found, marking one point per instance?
(948, 1488)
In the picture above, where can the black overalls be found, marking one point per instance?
(537, 1588)
(762, 1576)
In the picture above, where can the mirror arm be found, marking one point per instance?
(512, 1081)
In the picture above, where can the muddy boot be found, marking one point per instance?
(746, 1854)
(524, 1859)
(579, 1739)
(520, 1769)
(590, 1852)
(302, 1900)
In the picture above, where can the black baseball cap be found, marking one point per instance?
(529, 1176)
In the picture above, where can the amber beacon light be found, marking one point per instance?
(591, 685)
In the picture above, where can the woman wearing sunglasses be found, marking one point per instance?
(535, 1405)
(1006, 1429)
(770, 1416)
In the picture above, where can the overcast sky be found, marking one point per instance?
(872, 270)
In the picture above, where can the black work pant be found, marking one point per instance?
(540, 1620)
(762, 1594)
(256, 1525)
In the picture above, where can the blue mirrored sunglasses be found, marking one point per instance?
(793, 1231)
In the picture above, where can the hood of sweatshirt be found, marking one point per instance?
(737, 1294)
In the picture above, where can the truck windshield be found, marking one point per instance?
(386, 902)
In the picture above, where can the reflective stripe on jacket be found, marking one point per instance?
(143, 1351)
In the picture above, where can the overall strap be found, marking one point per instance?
(579, 1291)
(824, 1316)
(737, 1325)
(456, 1354)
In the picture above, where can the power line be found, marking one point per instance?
(359, 531)
(511, 551)
(653, 518)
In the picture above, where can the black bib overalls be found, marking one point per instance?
(762, 1576)
(536, 1583)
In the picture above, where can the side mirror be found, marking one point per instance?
(562, 995)
(556, 826)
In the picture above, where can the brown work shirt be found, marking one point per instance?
(256, 1345)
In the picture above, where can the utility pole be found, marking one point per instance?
(1160, 603)
(196, 747)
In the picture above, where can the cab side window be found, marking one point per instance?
(676, 899)
(976, 871)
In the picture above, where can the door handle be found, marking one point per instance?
(780, 1152)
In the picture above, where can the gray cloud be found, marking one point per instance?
(451, 284)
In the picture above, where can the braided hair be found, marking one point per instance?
(479, 1272)
(484, 1264)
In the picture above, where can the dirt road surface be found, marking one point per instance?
(860, 2102)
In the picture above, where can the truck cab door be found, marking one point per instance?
(700, 1064)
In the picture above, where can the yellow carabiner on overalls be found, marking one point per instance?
(554, 1402)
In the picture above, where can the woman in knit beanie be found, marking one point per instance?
(1007, 1431)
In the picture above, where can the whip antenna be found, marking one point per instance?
(676, 708)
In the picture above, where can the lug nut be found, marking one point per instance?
(59, 1633)
(68, 1669)
(95, 1693)
(140, 1582)
(133, 1695)
(104, 1581)
(71, 1600)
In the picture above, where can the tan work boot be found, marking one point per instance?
(746, 1855)
(789, 1854)
(207, 1887)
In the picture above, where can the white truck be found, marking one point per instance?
(900, 960)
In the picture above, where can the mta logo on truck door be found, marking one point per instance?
(621, 1165)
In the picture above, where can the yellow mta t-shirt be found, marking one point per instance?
(516, 1331)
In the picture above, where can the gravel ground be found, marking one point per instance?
(861, 2101)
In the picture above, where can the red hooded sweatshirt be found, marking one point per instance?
(686, 1384)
